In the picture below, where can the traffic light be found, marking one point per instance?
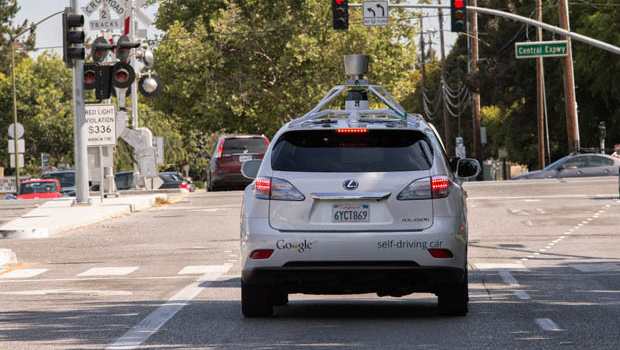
(99, 49)
(123, 46)
(458, 15)
(340, 12)
(72, 37)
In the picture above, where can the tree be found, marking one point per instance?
(43, 89)
(258, 64)
(8, 10)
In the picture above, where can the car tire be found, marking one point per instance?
(256, 301)
(453, 301)
(280, 299)
(209, 183)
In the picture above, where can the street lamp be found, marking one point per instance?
(15, 138)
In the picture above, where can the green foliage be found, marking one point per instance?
(8, 10)
(258, 64)
(43, 91)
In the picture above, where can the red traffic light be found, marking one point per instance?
(121, 76)
(458, 4)
(90, 77)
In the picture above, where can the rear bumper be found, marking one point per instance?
(229, 179)
(383, 278)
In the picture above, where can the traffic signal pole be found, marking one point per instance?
(447, 122)
(79, 127)
(572, 124)
(475, 108)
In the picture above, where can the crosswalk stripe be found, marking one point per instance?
(108, 271)
(154, 321)
(23, 273)
(198, 269)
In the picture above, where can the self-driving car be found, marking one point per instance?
(355, 200)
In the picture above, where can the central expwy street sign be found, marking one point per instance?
(375, 13)
(541, 49)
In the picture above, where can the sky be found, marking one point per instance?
(49, 33)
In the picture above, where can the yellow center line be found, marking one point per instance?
(13, 267)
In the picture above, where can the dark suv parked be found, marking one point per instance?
(230, 152)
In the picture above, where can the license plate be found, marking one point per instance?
(351, 213)
(243, 158)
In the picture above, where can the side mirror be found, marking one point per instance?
(560, 167)
(467, 168)
(249, 168)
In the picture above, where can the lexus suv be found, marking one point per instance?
(353, 201)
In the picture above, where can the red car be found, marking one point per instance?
(39, 188)
(224, 170)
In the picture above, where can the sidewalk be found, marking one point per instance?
(57, 216)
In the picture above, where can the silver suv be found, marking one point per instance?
(351, 201)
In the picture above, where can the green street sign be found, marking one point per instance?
(532, 49)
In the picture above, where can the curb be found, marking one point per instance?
(7, 256)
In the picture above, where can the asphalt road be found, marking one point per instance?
(544, 274)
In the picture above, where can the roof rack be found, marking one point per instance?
(356, 66)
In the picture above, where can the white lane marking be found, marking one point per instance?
(529, 223)
(197, 270)
(602, 267)
(499, 266)
(547, 324)
(104, 293)
(153, 322)
(531, 256)
(537, 253)
(531, 200)
(23, 273)
(522, 295)
(542, 250)
(108, 271)
(508, 278)
(541, 211)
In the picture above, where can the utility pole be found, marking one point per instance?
(475, 108)
(572, 124)
(539, 93)
(134, 86)
(79, 127)
(447, 127)
(422, 63)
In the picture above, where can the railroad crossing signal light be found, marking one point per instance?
(123, 75)
(458, 15)
(340, 13)
(100, 49)
(72, 37)
(123, 46)
(98, 77)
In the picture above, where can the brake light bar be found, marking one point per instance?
(352, 131)
(440, 186)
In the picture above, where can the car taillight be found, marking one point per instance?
(276, 189)
(183, 184)
(426, 188)
(418, 189)
(218, 154)
(261, 254)
(440, 186)
(262, 187)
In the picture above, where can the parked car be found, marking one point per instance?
(578, 165)
(355, 201)
(224, 169)
(66, 179)
(189, 185)
(171, 180)
(39, 189)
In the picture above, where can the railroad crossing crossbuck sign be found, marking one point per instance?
(375, 13)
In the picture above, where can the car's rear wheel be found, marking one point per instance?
(209, 183)
(280, 299)
(453, 301)
(256, 301)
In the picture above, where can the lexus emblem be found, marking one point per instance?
(350, 184)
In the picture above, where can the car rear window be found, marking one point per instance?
(38, 187)
(372, 151)
(241, 145)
